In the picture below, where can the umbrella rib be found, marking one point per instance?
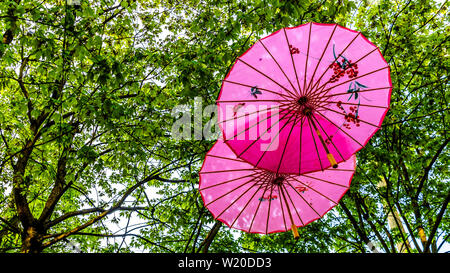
(314, 190)
(287, 208)
(315, 145)
(300, 148)
(323, 53)
(287, 140)
(292, 59)
(270, 144)
(306, 61)
(254, 141)
(227, 158)
(260, 72)
(321, 87)
(361, 91)
(367, 54)
(324, 145)
(245, 114)
(232, 203)
(341, 170)
(327, 90)
(238, 187)
(227, 181)
(293, 205)
(249, 200)
(302, 198)
(258, 124)
(340, 128)
(259, 205)
(326, 181)
(268, 211)
(254, 125)
(321, 106)
(279, 66)
(238, 170)
(320, 125)
(357, 104)
(328, 67)
(264, 89)
(219, 101)
(282, 211)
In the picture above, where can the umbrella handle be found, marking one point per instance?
(330, 156)
(332, 160)
(295, 231)
(293, 226)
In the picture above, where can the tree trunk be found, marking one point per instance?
(31, 240)
(212, 234)
(394, 221)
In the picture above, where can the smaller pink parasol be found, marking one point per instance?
(259, 201)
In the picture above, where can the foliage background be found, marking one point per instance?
(87, 161)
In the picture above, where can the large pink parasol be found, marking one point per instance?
(305, 98)
(259, 201)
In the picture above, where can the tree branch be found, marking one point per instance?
(87, 211)
(58, 189)
(430, 166)
(211, 235)
(436, 224)
(360, 232)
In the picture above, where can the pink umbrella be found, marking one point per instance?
(304, 98)
(259, 201)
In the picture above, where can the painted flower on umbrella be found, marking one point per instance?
(341, 68)
(293, 49)
(254, 91)
(237, 107)
(353, 115)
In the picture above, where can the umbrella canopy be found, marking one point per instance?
(304, 98)
(259, 201)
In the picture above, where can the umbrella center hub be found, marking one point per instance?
(302, 100)
(278, 180)
(307, 111)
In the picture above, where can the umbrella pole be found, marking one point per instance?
(330, 156)
(293, 226)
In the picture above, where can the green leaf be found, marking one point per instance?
(124, 3)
